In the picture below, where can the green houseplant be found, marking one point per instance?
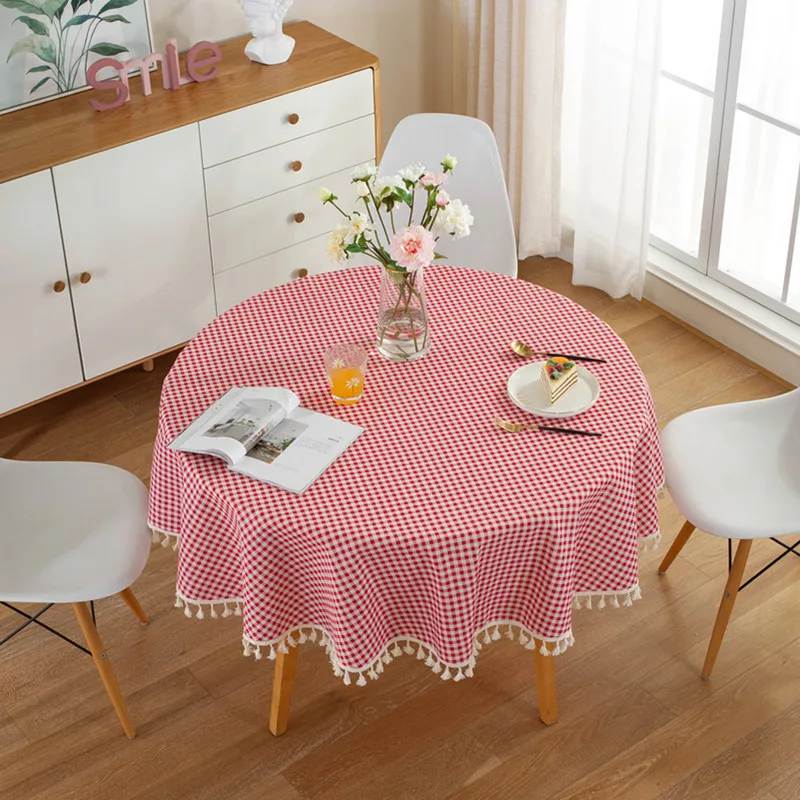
(63, 35)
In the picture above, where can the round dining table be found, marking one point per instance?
(436, 532)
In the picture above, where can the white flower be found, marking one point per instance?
(356, 225)
(449, 163)
(362, 190)
(325, 194)
(387, 182)
(338, 363)
(334, 247)
(364, 173)
(413, 173)
(455, 219)
(353, 383)
(442, 199)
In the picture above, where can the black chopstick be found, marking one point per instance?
(576, 358)
(572, 431)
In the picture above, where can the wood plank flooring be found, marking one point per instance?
(637, 723)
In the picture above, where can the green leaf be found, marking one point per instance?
(40, 46)
(406, 197)
(76, 4)
(54, 7)
(41, 83)
(36, 25)
(108, 49)
(79, 19)
(22, 5)
(115, 18)
(355, 248)
(438, 255)
(112, 4)
(40, 68)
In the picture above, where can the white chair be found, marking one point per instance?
(478, 181)
(73, 533)
(734, 471)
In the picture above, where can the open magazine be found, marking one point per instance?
(263, 433)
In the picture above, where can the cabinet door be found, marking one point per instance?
(136, 238)
(37, 330)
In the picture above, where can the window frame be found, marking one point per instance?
(723, 114)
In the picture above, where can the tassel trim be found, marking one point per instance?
(407, 645)
(165, 539)
(402, 645)
(590, 600)
(650, 543)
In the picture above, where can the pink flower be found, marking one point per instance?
(413, 247)
(433, 179)
(442, 199)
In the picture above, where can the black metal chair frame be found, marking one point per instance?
(34, 620)
(787, 549)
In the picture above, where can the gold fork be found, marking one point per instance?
(518, 427)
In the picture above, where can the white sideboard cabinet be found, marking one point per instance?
(37, 330)
(123, 233)
(139, 263)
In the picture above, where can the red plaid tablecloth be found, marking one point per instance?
(435, 532)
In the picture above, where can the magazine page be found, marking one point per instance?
(294, 453)
(236, 422)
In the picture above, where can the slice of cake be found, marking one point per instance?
(559, 375)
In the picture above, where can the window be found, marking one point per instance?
(727, 145)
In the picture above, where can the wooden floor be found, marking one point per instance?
(637, 723)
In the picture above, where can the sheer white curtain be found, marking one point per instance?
(508, 71)
(611, 73)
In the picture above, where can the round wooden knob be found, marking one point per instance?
(59, 287)
(293, 119)
(302, 273)
(297, 166)
(299, 217)
(85, 277)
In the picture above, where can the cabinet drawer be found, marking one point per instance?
(267, 172)
(268, 225)
(248, 130)
(242, 282)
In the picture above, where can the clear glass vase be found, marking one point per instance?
(402, 333)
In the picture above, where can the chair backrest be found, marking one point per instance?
(478, 181)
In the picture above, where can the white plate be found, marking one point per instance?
(525, 390)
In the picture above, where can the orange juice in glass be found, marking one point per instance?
(346, 365)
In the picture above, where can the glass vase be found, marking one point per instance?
(402, 333)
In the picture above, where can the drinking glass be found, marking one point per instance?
(346, 365)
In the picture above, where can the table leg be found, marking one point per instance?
(282, 685)
(546, 685)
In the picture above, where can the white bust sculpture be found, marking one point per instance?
(270, 45)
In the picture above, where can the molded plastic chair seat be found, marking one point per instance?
(477, 181)
(70, 532)
(734, 470)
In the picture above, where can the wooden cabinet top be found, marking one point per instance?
(67, 128)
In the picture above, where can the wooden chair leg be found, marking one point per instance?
(546, 686)
(104, 667)
(680, 540)
(149, 365)
(726, 606)
(282, 685)
(133, 604)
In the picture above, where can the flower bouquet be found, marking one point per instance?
(385, 228)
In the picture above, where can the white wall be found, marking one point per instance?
(410, 37)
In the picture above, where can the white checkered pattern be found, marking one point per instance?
(434, 524)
